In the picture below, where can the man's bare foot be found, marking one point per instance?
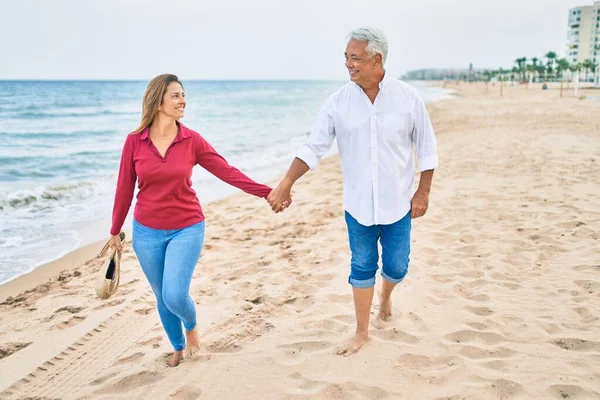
(353, 344)
(192, 339)
(384, 316)
(176, 359)
(385, 309)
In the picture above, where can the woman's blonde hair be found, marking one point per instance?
(153, 98)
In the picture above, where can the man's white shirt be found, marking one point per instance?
(375, 142)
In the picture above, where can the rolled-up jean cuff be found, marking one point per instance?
(392, 280)
(364, 284)
(188, 328)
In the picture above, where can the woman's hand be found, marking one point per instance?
(115, 242)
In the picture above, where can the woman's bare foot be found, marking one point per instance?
(192, 339)
(176, 359)
(353, 344)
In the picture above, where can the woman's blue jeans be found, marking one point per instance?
(168, 259)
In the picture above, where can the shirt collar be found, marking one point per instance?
(182, 133)
(383, 81)
(381, 84)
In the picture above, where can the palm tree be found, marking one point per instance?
(488, 75)
(577, 69)
(562, 65)
(530, 71)
(551, 56)
(541, 70)
(521, 67)
(593, 67)
(587, 65)
(534, 61)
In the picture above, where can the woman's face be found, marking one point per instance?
(173, 102)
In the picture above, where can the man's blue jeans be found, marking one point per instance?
(395, 245)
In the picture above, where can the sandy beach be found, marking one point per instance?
(502, 299)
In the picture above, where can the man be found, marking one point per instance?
(377, 120)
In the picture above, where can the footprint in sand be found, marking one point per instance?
(395, 335)
(203, 356)
(417, 322)
(7, 349)
(111, 303)
(577, 344)
(74, 320)
(442, 278)
(129, 359)
(571, 392)
(496, 365)
(550, 328)
(151, 342)
(473, 274)
(481, 311)
(477, 353)
(301, 303)
(330, 325)
(295, 353)
(103, 379)
(144, 311)
(481, 298)
(585, 314)
(304, 385)
(423, 363)
(314, 389)
(504, 389)
(188, 392)
(131, 282)
(346, 318)
(589, 286)
(434, 301)
(131, 382)
(441, 294)
(477, 325)
(468, 336)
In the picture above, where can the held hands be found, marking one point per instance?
(280, 198)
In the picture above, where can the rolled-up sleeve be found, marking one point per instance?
(423, 137)
(321, 137)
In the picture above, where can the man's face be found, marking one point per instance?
(361, 66)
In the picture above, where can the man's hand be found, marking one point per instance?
(280, 198)
(419, 204)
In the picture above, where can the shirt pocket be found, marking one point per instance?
(395, 127)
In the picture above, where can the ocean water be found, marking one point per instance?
(60, 146)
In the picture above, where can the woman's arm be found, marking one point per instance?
(125, 186)
(208, 158)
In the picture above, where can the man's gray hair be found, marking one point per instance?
(376, 41)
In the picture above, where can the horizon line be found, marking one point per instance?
(147, 79)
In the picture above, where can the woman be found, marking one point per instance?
(168, 226)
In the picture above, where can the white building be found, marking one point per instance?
(583, 37)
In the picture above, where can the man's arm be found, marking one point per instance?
(420, 200)
(308, 157)
(424, 139)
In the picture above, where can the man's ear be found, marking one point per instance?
(378, 59)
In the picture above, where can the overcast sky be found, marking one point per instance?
(265, 39)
